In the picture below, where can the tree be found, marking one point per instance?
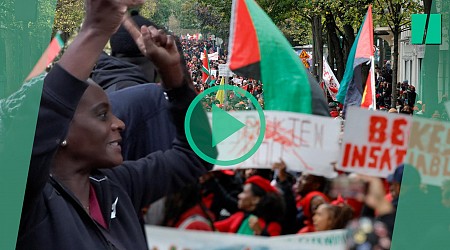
(68, 17)
(397, 15)
(342, 18)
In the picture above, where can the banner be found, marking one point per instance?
(212, 57)
(429, 150)
(374, 143)
(330, 80)
(164, 238)
(327, 240)
(305, 142)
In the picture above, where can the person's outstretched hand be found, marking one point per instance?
(105, 16)
(281, 168)
(161, 49)
(102, 19)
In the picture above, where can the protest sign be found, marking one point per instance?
(374, 143)
(212, 57)
(429, 150)
(224, 70)
(330, 80)
(305, 142)
(164, 238)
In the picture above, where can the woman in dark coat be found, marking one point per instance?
(262, 209)
(80, 194)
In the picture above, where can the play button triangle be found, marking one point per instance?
(223, 125)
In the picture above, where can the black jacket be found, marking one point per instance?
(144, 110)
(52, 218)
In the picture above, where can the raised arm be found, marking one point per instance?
(63, 88)
(161, 173)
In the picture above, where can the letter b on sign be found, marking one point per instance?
(377, 129)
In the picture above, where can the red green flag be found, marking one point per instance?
(49, 55)
(205, 68)
(259, 50)
(358, 89)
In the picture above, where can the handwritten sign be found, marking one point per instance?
(165, 238)
(429, 150)
(305, 142)
(374, 143)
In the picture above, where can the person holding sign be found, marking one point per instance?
(76, 197)
(262, 210)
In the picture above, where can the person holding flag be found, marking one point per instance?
(357, 87)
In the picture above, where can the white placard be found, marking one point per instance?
(212, 57)
(374, 143)
(224, 70)
(429, 150)
(306, 143)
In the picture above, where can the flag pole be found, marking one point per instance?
(372, 82)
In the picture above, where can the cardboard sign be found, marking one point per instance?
(374, 143)
(429, 150)
(165, 238)
(305, 142)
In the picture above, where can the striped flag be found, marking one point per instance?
(259, 50)
(206, 75)
(357, 88)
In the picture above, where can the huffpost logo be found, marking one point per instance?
(426, 29)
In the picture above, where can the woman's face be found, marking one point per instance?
(94, 135)
(247, 200)
(322, 218)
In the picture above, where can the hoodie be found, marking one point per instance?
(114, 74)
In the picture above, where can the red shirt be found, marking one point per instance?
(232, 224)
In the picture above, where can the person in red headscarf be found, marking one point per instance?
(310, 203)
(262, 209)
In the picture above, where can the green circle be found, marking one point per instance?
(198, 151)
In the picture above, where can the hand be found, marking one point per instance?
(375, 197)
(102, 19)
(105, 16)
(161, 50)
(281, 167)
(253, 223)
